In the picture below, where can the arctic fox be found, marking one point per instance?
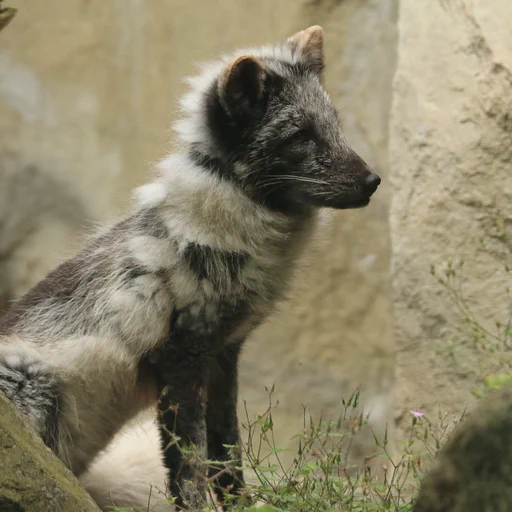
(155, 309)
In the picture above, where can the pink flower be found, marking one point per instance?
(417, 414)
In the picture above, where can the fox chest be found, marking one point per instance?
(230, 294)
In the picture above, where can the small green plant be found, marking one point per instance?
(321, 476)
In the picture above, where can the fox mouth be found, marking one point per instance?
(347, 197)
(353, 204)
(338, 203)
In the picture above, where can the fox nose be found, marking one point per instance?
(371, 182)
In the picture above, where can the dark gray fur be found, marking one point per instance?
(35, 393)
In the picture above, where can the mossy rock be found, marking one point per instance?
(32, 478)
(473, 472)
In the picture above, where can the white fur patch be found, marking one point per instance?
(141, 316)
(201, 208)
(130, 472)
(186, 283)
(85, 353)
(150, 195)
(147, 286)
(19, 355)
(153, 253)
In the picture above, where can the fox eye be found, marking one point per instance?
(304, 134)
(300, 136)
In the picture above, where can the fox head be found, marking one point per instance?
(263, 119)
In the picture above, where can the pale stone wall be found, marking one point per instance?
(451, 154)
(87, 94)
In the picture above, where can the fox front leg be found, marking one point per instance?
(222, 424)
(183, 375)
(182, 413)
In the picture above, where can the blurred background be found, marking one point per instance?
(88, 91)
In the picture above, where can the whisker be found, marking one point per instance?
(300, 178)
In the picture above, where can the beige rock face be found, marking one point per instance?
(452, 186)
(87, 93)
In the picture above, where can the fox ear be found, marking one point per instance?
(241, 85)
(308, 46)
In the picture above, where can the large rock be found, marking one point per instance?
(87, 91)
(32, 479)
(473, 472)
(451, 155)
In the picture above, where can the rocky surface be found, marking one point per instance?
(451, 175)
